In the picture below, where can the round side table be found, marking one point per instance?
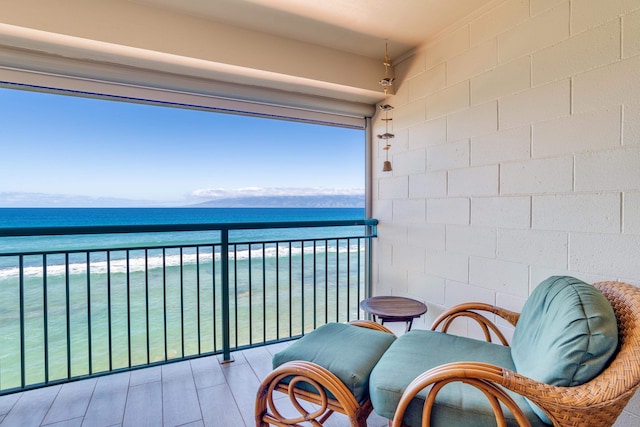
(394, 309)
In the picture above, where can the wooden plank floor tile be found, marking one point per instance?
(146, 375)
(7, 402)
(71, 402)
(243, 384)
(108, 401)
(219, 408)
(260, 360)
(31, 408)
(74, 422)
(144, 405)
(207, 372)
(179, 396)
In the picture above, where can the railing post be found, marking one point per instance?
(371, 232)
(23, 345)
(224, 261)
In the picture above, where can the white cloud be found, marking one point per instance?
(232, 193)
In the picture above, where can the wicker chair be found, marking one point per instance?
(595, 403)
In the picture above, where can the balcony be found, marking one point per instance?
(140, 335)
(114, 299)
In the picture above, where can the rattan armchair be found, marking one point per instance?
(595, 403)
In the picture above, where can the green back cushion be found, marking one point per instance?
(457, 404)
(566, 334)
(349, 352)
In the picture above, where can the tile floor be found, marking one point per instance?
(200, 392)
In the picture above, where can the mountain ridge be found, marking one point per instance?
(323, 201)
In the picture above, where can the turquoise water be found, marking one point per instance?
(62, 217)
(167, 301)
(52, 217)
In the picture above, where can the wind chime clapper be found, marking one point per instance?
(386, 83)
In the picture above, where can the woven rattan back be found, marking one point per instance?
(600, 401)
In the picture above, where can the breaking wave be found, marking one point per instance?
(155, 259)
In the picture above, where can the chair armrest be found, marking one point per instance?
(369, 324)
(485, 377)
(591, 402)
(471, 310)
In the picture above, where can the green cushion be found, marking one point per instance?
(347, 351)
(457, 404)
(566, 334)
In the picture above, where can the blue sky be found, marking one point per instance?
(63, 150)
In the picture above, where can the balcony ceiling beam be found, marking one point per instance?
(136, 35)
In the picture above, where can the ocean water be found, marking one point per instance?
(51, 217)
(99, 309)
(62, 217)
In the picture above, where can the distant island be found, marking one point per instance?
(323, 201)
(42, 200)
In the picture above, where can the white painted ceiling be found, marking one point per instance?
(355, 26)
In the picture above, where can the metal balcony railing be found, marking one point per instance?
(76, 312)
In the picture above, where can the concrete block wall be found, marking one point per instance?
(516, 157)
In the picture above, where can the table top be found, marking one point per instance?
(390, 307)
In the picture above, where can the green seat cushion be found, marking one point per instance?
(457, 404)
(349, 352)
(566, 334)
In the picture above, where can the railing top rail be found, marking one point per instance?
(240, 243)
(158, 228)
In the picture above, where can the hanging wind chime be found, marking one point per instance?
(386, 83)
